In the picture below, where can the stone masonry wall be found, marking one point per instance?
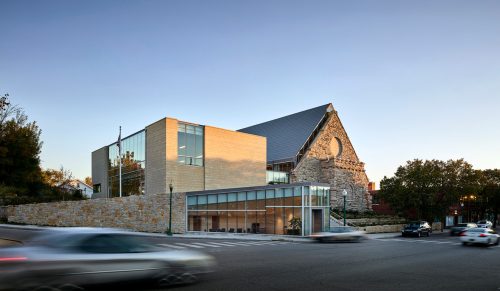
(148, 213)
(338, 165)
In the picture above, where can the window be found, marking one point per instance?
(97, 188)
(190, 144)
(133, 162)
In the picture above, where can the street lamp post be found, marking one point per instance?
(169, 231)
(344, 193)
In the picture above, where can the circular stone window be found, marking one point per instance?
(335, 147)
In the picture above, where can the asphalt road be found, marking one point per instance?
(438, 262)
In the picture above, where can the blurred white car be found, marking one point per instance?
(478, 235)
(339, 233)
(91, 256)
(484, 224)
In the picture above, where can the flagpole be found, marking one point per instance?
(120, 159)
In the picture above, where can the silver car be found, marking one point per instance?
(79, 257)
(479, 235)
(484, 224)
(340, 233)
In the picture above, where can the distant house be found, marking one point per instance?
(78, 185)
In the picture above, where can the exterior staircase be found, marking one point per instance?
(337, 220)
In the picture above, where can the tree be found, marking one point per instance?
(21, 178)
(20, 148)
(490, 193)
(428, 187)
(57, 178)
(88, 181)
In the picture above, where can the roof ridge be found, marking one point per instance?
(286, 116)
(287, 134)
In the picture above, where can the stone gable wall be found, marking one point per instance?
(344, 171)
(148, 213)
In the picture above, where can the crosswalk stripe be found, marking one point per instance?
(171, 246)
(207, 245)
(267, 243)
(211, 244)
(238, 243)
(190, 245)
(222, 244)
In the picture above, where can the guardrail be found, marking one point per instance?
(339, 220)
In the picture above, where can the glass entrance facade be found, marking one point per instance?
(276, 209)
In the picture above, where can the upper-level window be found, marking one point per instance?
(190, 144)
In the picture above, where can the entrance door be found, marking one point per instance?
(197, 223)
(317, 220)
(215, 223)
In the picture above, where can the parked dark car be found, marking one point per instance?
(417, 228)
(461, 227)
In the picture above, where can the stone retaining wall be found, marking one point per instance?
(148, 213)
(436, 226)
(376, 221)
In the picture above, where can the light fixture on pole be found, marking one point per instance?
(344, 193)
(169, 231)
(119, 143)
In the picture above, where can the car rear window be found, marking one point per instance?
(477, 230)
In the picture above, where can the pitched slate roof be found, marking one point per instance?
(286, 135)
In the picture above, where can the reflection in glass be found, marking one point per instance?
(133, 166)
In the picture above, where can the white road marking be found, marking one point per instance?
(207, 245)
(211, 244)
(239, 243)
(190, 245)
(222, 244)
(171, 246)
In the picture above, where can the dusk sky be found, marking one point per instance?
(409, 79)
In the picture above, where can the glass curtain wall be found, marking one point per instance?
(190, 144)
(133, 157)
(271, 211)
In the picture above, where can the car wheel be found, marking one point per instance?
(419, 234)
(428, 233)
(169, 280)
(465, 243)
